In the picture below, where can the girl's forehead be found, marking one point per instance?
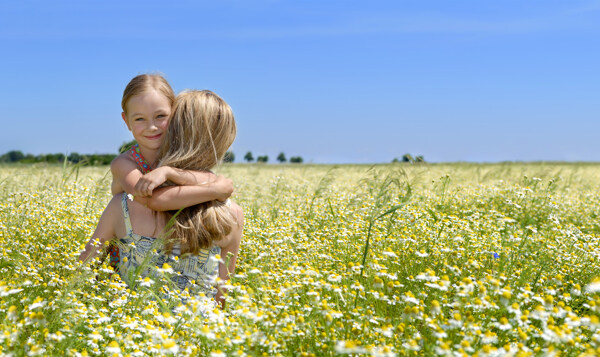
(150, 99)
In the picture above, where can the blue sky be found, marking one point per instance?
(331, 81)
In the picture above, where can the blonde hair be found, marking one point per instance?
(201, 130)
(142, 83)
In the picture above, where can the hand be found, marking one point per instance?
(223, 187)
(147, 183)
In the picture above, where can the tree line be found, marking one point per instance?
(15, 156)
(408, 158)
(75, 158)
(105, 159)
(265, 158)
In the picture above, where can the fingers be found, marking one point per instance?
(225, 188)
(138, 191)
(147, 190)
(143, 188)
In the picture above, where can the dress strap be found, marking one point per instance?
(139, 159)
(128, 227)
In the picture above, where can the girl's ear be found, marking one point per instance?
(125, 120)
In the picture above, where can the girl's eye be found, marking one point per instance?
(138, 119)
(162, 116)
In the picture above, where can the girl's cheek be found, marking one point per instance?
(137, 126)
(165, 124)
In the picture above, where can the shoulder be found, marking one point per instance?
(122, 163)
(237, 212)
(235, 237)
(123, 159)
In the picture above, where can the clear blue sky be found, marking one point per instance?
(331, 81)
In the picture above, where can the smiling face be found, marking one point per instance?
(147, 117)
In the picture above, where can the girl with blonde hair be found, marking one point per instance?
(147, 106)
(200, 131)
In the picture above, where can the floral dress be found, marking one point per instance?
(196, 272)
(145, 167)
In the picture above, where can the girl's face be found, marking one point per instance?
(147, 118)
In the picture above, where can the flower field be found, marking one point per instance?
(390, 260)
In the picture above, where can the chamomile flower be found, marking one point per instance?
(113, 347)
(594, 286)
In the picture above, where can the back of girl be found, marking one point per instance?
(200, 133)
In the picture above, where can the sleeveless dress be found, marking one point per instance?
(197, 272)
(145, 167)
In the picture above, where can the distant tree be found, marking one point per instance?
(419, 158)
(126, 146)
(395, 160)
(407, 158)
(74, 157)
(296, 160)
(108, 158)
(229, 156)
(15, 156)
(51, 158)
(248, 157)
(60, 158)
(28, 159)
(281, 158)
(98, 159)
(94, 159)
(263, 159)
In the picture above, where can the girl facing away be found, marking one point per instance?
(200, 132)
(147, 104)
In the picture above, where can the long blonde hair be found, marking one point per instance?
(201, 130)
(142, 83)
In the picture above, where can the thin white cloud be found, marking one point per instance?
(589, 7)
(353, 22)
(424, 23)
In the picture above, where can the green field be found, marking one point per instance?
(385, 260)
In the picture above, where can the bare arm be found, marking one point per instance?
(105, 230)
(202, 186)
(150, 181)
(229, 253)
(115, 187)
(125, 175)
(176, 197)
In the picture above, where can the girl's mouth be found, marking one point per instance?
(154, 137)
